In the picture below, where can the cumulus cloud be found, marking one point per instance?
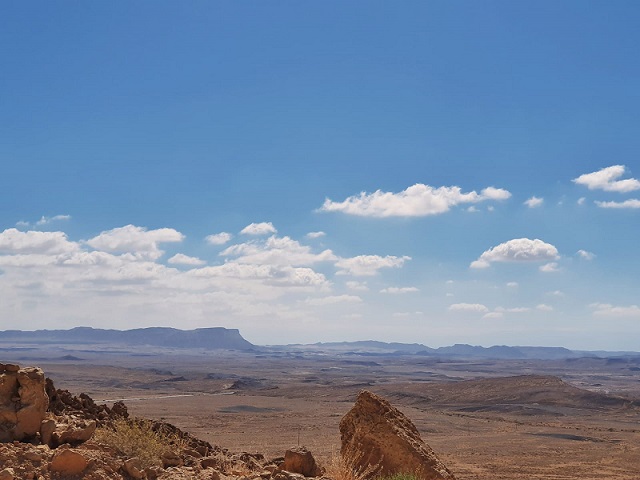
(493, 315)
(631, 203)
(534, 202)
(556, 293)
(581, 201)
(13, 241)
(263, 228)
(399, 290)
(512, 284)
(544, 307)
(608, 310)
(315, 234)
(182, 259)
(277, 251)
(549, 267)
(416, 201)
(368, 265)
(606, 179)
(218, 238)
(271, 274)
(468, 307)
(517, 250)
(586, 255)
(137, 240)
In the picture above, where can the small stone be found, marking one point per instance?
(133, 467)
(171, 459)
(7, 474)
(68, 462)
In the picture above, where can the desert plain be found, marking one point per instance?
(510, 419)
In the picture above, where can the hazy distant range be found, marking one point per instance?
(219, 338)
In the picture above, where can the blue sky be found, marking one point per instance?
(434, 172)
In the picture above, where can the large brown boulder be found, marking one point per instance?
(300, 460)
(23, 402)
(378, 438)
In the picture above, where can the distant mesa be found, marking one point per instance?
(206, 338)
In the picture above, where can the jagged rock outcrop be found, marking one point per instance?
(62, 402)
(23, 402)
(379, 438)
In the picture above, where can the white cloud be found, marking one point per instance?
(272, 274)
(399, 290)
(416, 201)
(544, 307)
(512, 310)
(277, 251)
(517, 250)
(218, 238)
(606, 179)
(512, 284)
(14, 241)
(631, 203)
(556, 293)
(586, 255)
(46, 220)
(493, 315)
(468, 307)
(182, 259)
(581, 201)
(315, 234)
(368, 265)
(534, 202)
(263, 228)
(549, 267)
(358, 286)
(333, 299)
(608, 310)
(137, 240)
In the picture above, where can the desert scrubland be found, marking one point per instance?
(575, 418)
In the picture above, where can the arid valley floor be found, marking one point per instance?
(486, 420)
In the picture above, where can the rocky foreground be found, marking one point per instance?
(47, 433)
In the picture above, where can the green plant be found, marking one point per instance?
(138, 438)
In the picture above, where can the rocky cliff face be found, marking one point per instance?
(23, 402)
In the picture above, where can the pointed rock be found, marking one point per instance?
(376, 434)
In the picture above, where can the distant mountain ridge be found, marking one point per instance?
(208, 338)
(496, 352)
(214, 338)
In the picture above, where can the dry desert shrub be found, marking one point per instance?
(138, 438)
(346, 467)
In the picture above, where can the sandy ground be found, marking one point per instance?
(527, 428)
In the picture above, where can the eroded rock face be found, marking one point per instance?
(23, 402)
(374, 433)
